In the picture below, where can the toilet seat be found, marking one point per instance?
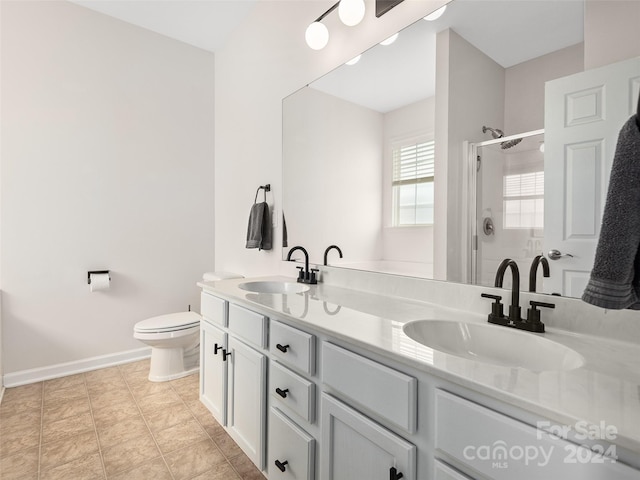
(171, 322)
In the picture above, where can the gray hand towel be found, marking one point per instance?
(615, 278)
(259, 227)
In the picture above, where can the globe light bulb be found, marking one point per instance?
(354, 60)
(351, 12)
(317, 36)
(436, 14)
(390, 40)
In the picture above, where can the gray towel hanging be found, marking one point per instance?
(259, 227)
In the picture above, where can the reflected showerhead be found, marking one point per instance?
(495, 132)
(510, 143)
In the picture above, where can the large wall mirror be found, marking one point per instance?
(446, 150)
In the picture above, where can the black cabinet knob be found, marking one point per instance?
(282, 348)
(217, 347)
(225, 354)
(282, 393)
(282, 466)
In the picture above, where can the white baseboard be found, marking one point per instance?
(25, 377)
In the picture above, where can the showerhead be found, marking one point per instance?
(495, 132)
(510, 143)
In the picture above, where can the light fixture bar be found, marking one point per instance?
(328, 11)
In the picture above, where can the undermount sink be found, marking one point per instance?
(273, 287)
(494, 344)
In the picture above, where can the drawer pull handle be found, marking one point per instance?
(217, 347)
(282, 393)
(225, 354)
(395, 474)
(282, 466)
(282, 348)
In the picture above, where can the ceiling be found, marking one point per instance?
(508, 31)
(204, 24)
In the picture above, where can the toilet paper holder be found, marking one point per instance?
(97, 272)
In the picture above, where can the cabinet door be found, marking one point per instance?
(213, 371)
(355, 447)
(246, 399)
(291, 449)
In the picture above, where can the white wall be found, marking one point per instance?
(611, 32)
(321, 158)
(405, 244)
(263, 62)
(469, 94)
(107, 162)
(524, 87)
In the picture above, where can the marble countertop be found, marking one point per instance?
(604, 391)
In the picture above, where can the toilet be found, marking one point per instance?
(174, 340)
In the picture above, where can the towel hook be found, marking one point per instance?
(266, 188)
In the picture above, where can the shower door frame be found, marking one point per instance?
(472, 202)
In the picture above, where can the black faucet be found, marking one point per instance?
(326, 252)
(532, 322)
(305, 275)
(533, 271)
(514, 308)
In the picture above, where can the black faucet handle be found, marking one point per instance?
(533, 316)
(300, 273)
(312, 276)
(496, 306)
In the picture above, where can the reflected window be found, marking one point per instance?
(412, 187)
(523, 200)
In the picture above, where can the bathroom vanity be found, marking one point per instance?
(321, 382)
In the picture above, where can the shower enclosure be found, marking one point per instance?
(507, 196)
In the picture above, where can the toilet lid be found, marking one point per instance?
(169, 322)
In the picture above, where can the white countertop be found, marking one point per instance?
(605, 391)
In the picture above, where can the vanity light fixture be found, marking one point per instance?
(436, 14)
(351, 12)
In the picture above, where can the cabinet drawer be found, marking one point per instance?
(291, 450)
(213, 309)
(293, 347)
(293, 391)
(503, 448)
(251, 326)
(384, 391)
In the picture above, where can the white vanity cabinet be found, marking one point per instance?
(246, 399)
(233, 372)
(292, 396)
(213, 370)
(354, 446)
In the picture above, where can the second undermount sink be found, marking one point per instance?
(494, 344)
(268, 286)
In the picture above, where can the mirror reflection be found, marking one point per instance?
(380, 156)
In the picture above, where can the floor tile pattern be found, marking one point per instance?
(114, 423)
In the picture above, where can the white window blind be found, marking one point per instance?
(412, 184)
(524, 200)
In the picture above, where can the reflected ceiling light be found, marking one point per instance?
(436, 14)
(351, 12)
(354, 60)
(317, 35)
(541, 147)
(390, 40)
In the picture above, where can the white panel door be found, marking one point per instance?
(355, 447)
(213, 371)
(583, 116)
(247, 399)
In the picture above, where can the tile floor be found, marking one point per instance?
(115, 424)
